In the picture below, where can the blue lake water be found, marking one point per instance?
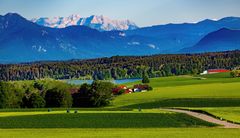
(77, 82)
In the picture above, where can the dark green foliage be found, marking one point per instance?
(38, 85)
(50, 93)
(58, 97)
(33, 100)
(36, 101)
(121, 91)
(150, 88)
(83, 97)
(145, 78)
(9, 96)
(122, 67)
(95, 95)
(101, 93)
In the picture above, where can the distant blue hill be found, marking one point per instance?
(24, 41)
(221, 40)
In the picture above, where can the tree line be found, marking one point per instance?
(51, 93)
(120, 67)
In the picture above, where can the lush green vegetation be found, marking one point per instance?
(122, 67)
(50, 93)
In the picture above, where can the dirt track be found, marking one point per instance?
(204, 117)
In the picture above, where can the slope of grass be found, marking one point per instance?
(201, 95)
(187, 80)
(120, 133)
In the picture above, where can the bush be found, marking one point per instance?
(122, 91)
(58, 97)
(150, 88)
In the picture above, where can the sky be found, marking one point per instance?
(142, 12)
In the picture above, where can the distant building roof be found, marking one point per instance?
(218, 70)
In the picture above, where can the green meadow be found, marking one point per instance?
(185, 91)
(217, 94)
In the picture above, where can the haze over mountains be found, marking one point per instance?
(22, 40)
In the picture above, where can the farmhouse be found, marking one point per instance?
(121, 88)
(140, 88)
(214, 71)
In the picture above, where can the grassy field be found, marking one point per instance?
(119, 133)
(185, 92)
(217, 94)
(99, 119)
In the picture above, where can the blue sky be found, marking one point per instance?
(142, 12)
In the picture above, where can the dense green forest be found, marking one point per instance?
(120, 67)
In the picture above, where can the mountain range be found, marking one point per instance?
(101, 23)
(23, 40)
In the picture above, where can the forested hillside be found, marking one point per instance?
(120, 67)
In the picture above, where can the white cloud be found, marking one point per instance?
(152, 46)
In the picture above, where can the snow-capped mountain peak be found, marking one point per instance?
(101, 23)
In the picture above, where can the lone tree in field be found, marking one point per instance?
(145, 78)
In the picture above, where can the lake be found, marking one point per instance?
(77, 82)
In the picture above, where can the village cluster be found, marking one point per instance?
(123, 89)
